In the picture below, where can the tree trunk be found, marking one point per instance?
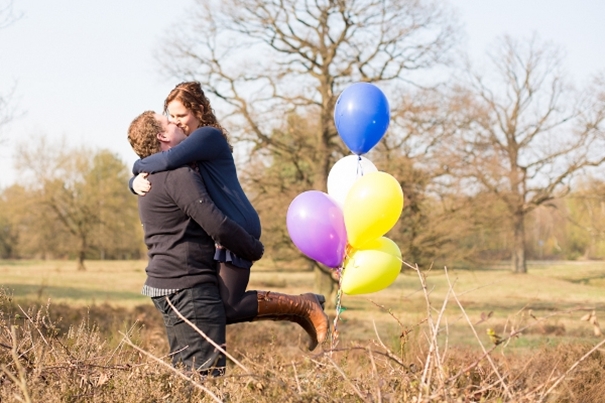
(325, 285)
(81, 266)
(82, 255)
(518, 258)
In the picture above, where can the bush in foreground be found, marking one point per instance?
(106, 354)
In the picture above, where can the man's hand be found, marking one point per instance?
(141, 185)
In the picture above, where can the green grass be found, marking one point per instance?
(113, 282)
(566, 290)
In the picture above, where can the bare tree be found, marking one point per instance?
(436, 223)
(524, 133)
(81, 203)
(266, 60)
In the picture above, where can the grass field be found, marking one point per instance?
(565, 290)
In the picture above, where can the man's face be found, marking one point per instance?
(182, 117)
(171, 134)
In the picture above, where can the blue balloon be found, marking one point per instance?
(362, 116)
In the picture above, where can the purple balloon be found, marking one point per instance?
(317, 227)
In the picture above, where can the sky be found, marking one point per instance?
(82, 70)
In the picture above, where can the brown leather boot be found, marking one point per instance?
(305, 309)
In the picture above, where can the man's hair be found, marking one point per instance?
(142, 134)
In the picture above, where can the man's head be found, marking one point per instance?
(150, 133)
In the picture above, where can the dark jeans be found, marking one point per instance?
(202, 306)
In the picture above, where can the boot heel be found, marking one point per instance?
(322, 301)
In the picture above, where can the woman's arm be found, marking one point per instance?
(188, 191)
(205, 143)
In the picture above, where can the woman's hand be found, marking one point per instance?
(141, 185)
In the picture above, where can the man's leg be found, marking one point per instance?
(202, 306)
(164, 309)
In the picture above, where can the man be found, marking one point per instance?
(181, 226)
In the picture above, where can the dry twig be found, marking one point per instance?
(171, 368)
(208, 339)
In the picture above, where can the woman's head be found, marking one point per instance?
(188, 107)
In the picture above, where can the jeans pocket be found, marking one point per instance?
(181, 302)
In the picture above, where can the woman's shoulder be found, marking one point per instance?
(209, 137)
(208, 132)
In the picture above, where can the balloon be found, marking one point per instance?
(316, 226)
(345, 173)
(372, 207)
(371, 268)
(362, 116)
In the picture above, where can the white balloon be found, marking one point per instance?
(345, 173)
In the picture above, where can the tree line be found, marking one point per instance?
(74, 203)
(496, 162)
(70, 203)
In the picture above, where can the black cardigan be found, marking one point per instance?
(181, 225)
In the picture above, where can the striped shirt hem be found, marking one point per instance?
(157, 292)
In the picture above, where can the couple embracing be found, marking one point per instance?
(202, 233)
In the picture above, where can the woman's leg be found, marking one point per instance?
(240, 305)
(245, 306)
(305, 309)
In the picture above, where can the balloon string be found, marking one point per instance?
(359, 172)
(338, 310)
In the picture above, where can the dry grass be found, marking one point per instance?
(430, 337)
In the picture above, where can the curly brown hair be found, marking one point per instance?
(142, 134)
(191, 95)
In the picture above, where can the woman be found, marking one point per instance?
(207, 146)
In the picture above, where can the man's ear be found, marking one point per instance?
(161, 136)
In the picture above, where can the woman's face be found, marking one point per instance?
(182, 117)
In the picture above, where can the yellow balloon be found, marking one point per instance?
(372, 207)
(371, 268)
